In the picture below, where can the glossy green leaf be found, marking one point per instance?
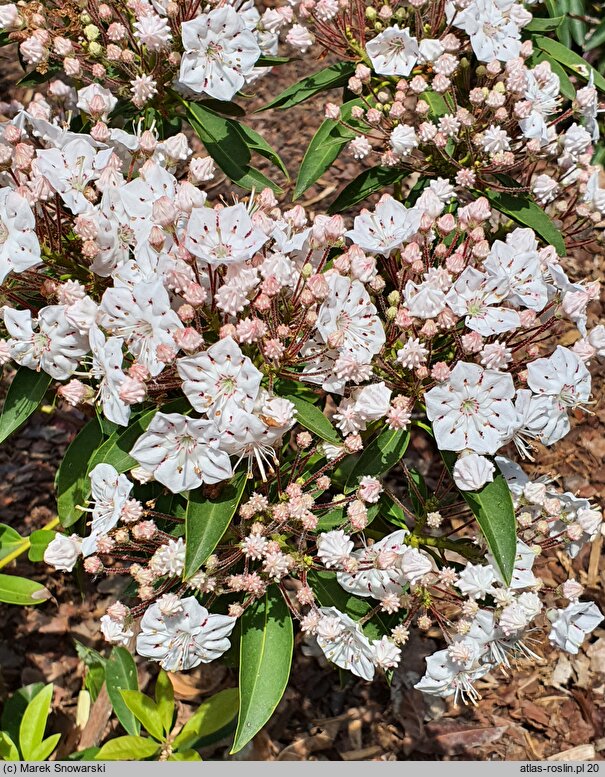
(524, 211)
(324, 148)
(258, 144)
(45, 748)
(577, 25)
(24, 395)
(164, 698)
(121, 675)
(265, 659)
(314, 420)
(569, 59)
(129, 748)
(379, 456)
(226, 144)
(538, 24)
(15, 706)
(10, 540)
(269, 60)
(33, 723)
(597, 37)
(146, 712)
(8, 749)
(330, 77)
(211, 716)
(39, 541)
(373, 180)
(493, 508)
(330, 594)
(185, 755)
(21, 591)
(206, 520)
(72, 482)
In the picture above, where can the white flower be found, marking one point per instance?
(494, 140)
(153, 31)
(70, 169)
(393, 52)
(56, 347)
(424, 300)
(386, 653)
(347, 320)
(19, 246)
(95, 100)
(571, 625)
(114, 632)
(223, 235)
(477, 580)
(473, 409)
(344, 643)
(220, 380)
(493, 34)
(472, 472)
(110, 493)
(144, 317)
(477, 298)
(182, 641)
(414, 564)
(562, 376)
(62, 552)
(300, 37)
(107, 368)
(387, 228)
(452, 672)
(517, 268)
(219, 53)
(381, 572)
(182, 453)
(169, 559)
(403, 139)
(334, 548)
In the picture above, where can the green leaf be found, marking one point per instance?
(257, 143)
(524, 211)
(569, 59)
(121, 675)
(211, 716)
(164, 698)
(437, 104)
(224, 107)
(538, 24)
(330, 594)
(493, 508)
(314, 420)
(268, 60)
(265, 659)
(33, 723)
(146, 712)
(26, 392)
(329, 78)
(226, 144)
(10, 540)
(206, 520)
(597, 37)
(185, 755)
(373, 180)
(8, 749)
(20, 590)
(44, 750)
(15, 706)
(131, 748)
(324, 148)
(577, 26)
(72, 482)
(39, 541)
(379, 456)
(35, 78)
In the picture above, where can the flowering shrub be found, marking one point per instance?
(254, 375)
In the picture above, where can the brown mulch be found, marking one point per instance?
(554, 708)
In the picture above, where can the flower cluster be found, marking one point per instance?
(257, 372)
